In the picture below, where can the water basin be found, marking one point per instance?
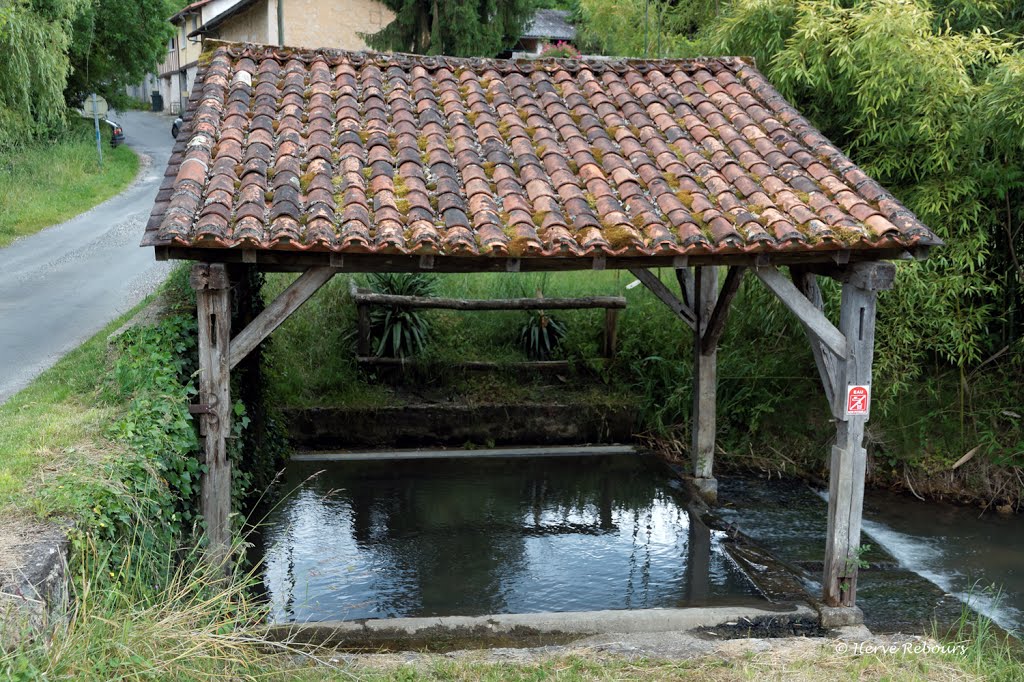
(473, 537)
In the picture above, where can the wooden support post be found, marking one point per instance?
(705, 384)
(363, 329)
(611, 331)
(716, 324)
(213, 306)
(861, 283)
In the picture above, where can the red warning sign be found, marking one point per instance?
(858, 400)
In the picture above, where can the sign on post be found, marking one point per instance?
(858, 401)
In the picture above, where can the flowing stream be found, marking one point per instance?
(927, 559)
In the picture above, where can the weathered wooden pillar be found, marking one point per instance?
(705, 383)
(861, 284)
(213, 306)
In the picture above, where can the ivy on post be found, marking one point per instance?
(861, 284)
(213, 308)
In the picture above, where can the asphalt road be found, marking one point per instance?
(64, 284)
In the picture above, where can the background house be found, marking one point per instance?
(298, 23)
(546, 26)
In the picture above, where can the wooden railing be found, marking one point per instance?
(364, 299)
(170, 64)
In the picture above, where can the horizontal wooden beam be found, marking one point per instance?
(363, 297)
(658, 288)
(813, 319)
(300, 261)
(475, 365)
(289, 300)
(716, 325)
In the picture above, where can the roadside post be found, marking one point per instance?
(96, 123)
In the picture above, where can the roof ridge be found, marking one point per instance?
(307, 54)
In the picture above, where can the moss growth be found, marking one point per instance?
(503, 128)
(598, 155)
(268, 196)
(450, 143)
(472, 116)
(538, 218)
(401, 188)
(591, 201)
(638, 221)
(523, 114)
(421, 142)
(576, 118)
(531, 130)
(671, 179)
(618, 236)
(610, 131)
(574, 167)
(366, 172)
(364, 135)
(803, 196)
(271, 172)
(489, 167)
(686, 198)
(304, 181)
(540, 149)
(635, 130)
(518, 246)
(402, 205)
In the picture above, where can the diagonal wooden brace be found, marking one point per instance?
(297, 293)
(658, 288)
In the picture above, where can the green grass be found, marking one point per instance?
(45, 183)
(57, 422)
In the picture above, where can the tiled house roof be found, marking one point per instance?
(356, 153)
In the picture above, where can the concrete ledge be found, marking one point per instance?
(518, 629)
(840, 616)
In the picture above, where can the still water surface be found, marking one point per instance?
(465, 537)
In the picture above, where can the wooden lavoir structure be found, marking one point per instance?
(325, 162)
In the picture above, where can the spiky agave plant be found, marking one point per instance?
(400, 331)
(541, 335)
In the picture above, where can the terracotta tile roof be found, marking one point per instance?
(370, 153)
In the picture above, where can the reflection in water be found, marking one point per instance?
(433, 538)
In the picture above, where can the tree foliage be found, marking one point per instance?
(933, 113)
(459, 28)
(34, 39)
(56, 51)
(114, 44)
